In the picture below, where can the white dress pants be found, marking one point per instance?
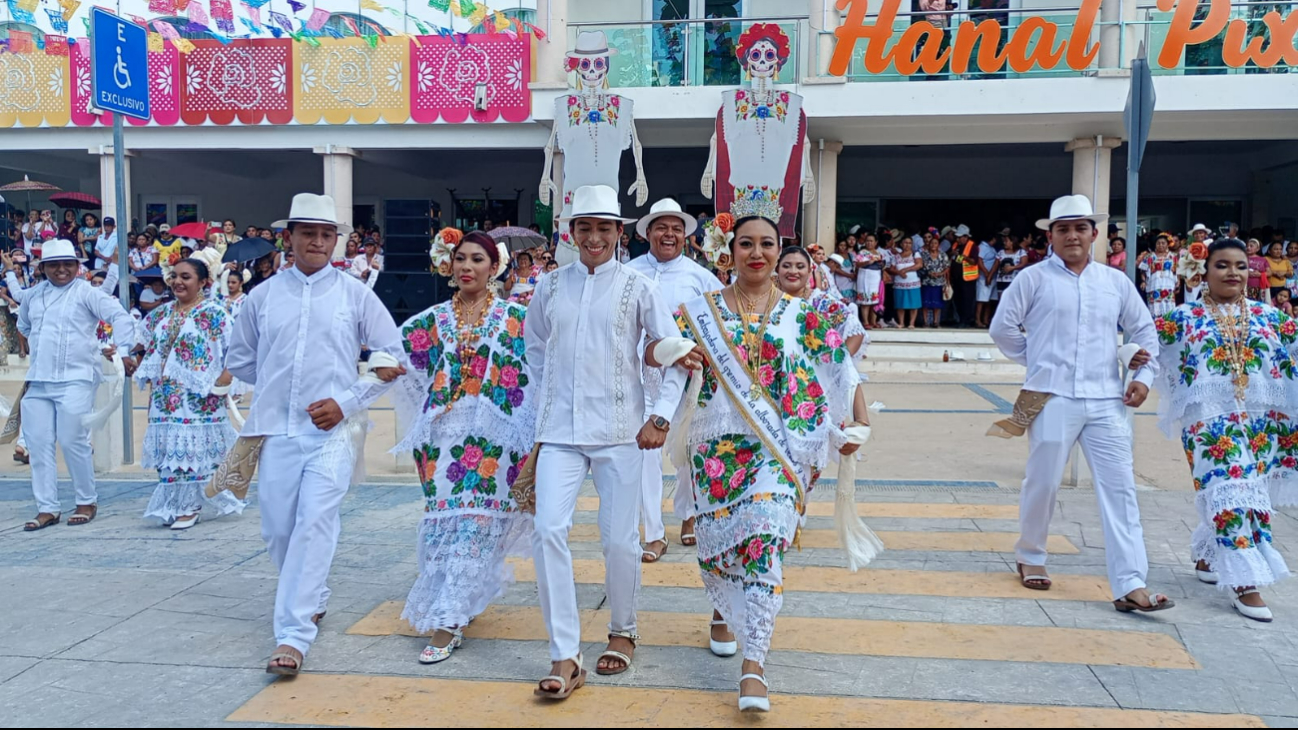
(1100, 424)
(560, 471)
(300, 495)
(651, 496)
(52, 412)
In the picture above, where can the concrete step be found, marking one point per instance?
(997, 367)
(944, 337)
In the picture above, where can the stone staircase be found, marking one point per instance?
(971, 352)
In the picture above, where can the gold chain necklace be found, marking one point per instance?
(467, 330)
(753, 341)
(1234, 330)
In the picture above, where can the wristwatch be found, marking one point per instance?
(660, 423)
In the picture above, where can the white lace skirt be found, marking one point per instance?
(462, 566)
(180, 493)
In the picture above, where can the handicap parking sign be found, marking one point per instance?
(119, 69)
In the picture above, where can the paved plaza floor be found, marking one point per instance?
(120, 623)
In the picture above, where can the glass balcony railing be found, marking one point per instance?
(702, 52)
(1206, 58)
(687, 52)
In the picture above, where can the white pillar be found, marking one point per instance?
(108, 184)
(1109, 34)
(552, 17)
(820, 218)
(1092, 172)
(824, 18)
(338, 184)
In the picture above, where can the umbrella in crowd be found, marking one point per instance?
(249, 249)
(27, 185)
(196, 230)
(153, 272)
(80, 201)
(518, 239)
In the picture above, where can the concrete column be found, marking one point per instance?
(108, 185)
(552, 17)
(1092, 158)
(338, 184)
(820, 218)
(1110, 34)
(823, 17)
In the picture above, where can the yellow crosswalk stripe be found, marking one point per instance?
(839, 636)
(959, 541)
(922, 510)
(409, 702)
(954, 584)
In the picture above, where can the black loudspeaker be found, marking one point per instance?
(406, 286)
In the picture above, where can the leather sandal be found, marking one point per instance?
(610, 654)
(83, 518)
(39, 524)
(283, 671)
(1034, 582)
(567, 685)
(1126, 605)
(650, 556)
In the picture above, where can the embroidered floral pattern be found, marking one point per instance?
(605, 110)
(1202, 350)
(476, 462)
(755, 556)
(422, 343)
(426, 456)
(168, 396)
(724, 469)
(747, 106)
(1242, 529)
(508, 379)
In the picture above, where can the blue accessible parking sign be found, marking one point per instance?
(119, 69)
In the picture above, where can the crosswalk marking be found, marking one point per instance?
(954, 584)
(839, 636)
(411, 702)
(919, 510)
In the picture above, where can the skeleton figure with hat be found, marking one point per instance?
(1059, 319)
(591, 129)
(591, 329)
(679, 280)
(60, 318)
(760, 157)
(297, 341)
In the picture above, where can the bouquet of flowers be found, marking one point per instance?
(1194, 263)
(443, 248)
(717, 235)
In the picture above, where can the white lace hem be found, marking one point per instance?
(187, 447)
(462, 566)
(1212, 396)
(177, 499)
(467, 417)
(1262, 565)
(748, 517)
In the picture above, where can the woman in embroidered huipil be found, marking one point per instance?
(1230, 384)
(183, 344)
(750, 483)
(470, 437)
(1160, 278)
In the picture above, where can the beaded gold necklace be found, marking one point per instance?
(1234, 329)
(468, 330)
(753, 340)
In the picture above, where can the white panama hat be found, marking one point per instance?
(596, 201)
(591, 43)
(58, 249)
(1200, 227)
(1071, 208)
(664, 208)
(311, 208)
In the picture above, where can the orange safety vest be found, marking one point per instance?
(969, 266)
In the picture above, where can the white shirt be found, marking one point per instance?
(583, 333)
(1064, 328)
(298, 340)
(60, 324)
(105, 247)
(679, 280)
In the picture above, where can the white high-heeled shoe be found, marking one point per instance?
(1257, 613)
(721, 648)
(185, 524)
(750, 703)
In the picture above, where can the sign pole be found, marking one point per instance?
(124, 274)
